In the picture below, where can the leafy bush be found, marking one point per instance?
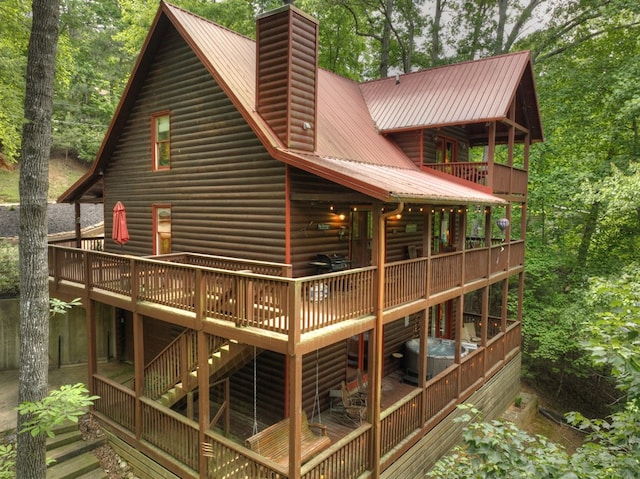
(9, 272)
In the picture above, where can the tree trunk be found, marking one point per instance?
(435, 32)
(34, 185)
(385, 43)
(589, 229)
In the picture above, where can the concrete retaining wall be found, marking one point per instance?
(67, 335)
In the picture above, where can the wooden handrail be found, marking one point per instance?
(271, 303)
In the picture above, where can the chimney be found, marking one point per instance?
(287, 68)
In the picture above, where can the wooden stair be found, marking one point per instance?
(74, 458)
(227, 359)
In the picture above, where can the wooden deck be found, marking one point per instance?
(276, 304)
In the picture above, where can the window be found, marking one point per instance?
(446, 150)
(162, 229)
(160, 131)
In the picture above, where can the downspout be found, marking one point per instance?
(379, 360)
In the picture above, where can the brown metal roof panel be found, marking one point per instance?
(345, 128)
(395, 184)
(461, 93)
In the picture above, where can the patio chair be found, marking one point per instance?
(363, 384)
(468, 333)
(354, 406)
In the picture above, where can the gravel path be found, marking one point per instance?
(61, 218)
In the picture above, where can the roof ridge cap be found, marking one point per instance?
(448, 65)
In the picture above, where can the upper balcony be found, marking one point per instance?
(502, 179)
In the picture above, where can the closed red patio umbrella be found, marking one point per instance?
(120, 233)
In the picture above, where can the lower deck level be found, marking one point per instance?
(410, 459)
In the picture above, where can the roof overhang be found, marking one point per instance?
(393, 185)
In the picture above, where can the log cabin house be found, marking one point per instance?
(325, 251)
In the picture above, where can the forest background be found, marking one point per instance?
(584, 201)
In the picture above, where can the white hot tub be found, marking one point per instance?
(440, 355)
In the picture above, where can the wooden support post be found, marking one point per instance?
(458, 342)
(422, 365)
(491, 153)
(427, 241)
(484, 324)
(138, 366)
(378, 341)
(92, 362)
(78, 226)
(203, 396)
(505, 304)
(190, 409)
(295, 415)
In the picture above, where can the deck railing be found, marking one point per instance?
(231, 460)
(508, 180)
(116, 402)
(93, 244)
(111, 272)
(405, 282)
(446, 272)
(401, 420)
(270, 302)
(476, 264)
(171, 432)
(172, 365)
(471, 369)
(470, 171)
(225, 262)
(348, 458)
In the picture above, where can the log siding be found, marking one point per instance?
(221, 195)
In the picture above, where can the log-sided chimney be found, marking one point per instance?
(287, 68)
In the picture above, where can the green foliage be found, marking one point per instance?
(57, 306)
(7, 461)
(614, 336)
(9, 271)
(14, 34)
(500, 450)
(61, 405)
(65, 404)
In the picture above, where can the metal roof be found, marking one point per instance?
(350, 150)
(462, 93)
(393, 185)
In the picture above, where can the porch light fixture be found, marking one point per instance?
(342, 216)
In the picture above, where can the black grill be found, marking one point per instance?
(331, 262)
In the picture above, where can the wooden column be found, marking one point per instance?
(378, 341)
(491, 153)
(505, 304)
(203, 397)
(295, 416)
(92, 361)
(138, 365)
(78, 226)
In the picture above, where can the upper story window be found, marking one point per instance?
(446, 150)
(161, 136)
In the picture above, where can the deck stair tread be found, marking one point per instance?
(73, 455)
(64, 438)
(77, 448)
(74, 467)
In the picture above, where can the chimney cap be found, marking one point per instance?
(284, 8)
